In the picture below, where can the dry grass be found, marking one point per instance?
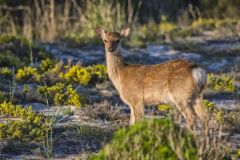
(48, 21)
(106, 112)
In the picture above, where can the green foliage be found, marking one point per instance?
(14, 39)
(219, 8)
(28, 74)
(67, 111)
(31, 125)
(16, 51)
(230, 120)
(77, 74)
(47, 64)
(100, 71)
(59, 94)
(98, 13)
(222, 83)
(211, 107)
(6, 73)
(164, 107)
(84, 75)
(153, 139)
(213, 110)
(206, 24)
(8, 59)
(3, 97)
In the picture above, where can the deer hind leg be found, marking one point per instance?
(200, 111)
(137, 113)
(188, 113)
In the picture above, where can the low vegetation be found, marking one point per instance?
(17, 52)
(85, 75)
(28, 74)
(154, 139)
(23, 124)
(60, 94)
(223, 83)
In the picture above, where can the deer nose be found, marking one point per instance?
(111, 49)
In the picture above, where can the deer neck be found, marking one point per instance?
(115, 67)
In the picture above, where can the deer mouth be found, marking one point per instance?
(111, 50)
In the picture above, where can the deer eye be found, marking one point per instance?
(105, 41)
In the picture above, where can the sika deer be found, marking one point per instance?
(179, 82)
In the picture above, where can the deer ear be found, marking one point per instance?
(100, 31)
(125, 32)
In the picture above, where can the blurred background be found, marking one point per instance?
(152, 20)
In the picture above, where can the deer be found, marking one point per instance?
(178, 82)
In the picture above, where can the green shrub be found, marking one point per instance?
(211, 107)
(14, 39)
(230, 120)
(20, 51)
(100, 71)
(3, 97)
(59, 94)
(31, 125)
(98, 13)
(28, 74)
(222, 83)
(8, 59)
(6, 73)
(47, 64)
(153, 139)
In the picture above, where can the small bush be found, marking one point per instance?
(16, 51)
(229, 120)
(84, 76)
(28, 74)
(100, 71)
(210, 106)
(6, 73)
(222, 83)
(14, 39)
(8, 59)
(31, 125)
(3, 97)
(47, 64)
(154, 139)
(59, 94)
(77, 74)
(105, 112)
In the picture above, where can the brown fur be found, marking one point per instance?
(138, 85)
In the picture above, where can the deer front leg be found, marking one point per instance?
(137, 113)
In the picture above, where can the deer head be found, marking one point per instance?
(112, 40)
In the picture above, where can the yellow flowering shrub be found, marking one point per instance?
(28, 74)
(99, 70)
(222, 83)
(31, 125)
(6, 73)
(59, 94)
(164, 107)
(77, 74)
(85, 75)
(166, 27)
(231, 120)
(47, 64)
